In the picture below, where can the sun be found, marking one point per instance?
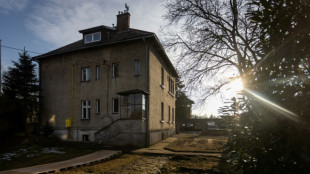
(236, 85)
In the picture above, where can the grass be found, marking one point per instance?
(108, 166)
(133, 163)
(191, 164)
(36, 151)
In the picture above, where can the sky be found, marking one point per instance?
(43, 25)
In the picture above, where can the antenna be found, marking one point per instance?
(127, 7)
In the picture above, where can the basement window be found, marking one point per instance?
(93, 37)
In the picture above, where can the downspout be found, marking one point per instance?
(72, 98)
(147, 78)
(108, 68)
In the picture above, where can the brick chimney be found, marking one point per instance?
(123, 21)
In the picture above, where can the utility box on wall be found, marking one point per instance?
(68, 123)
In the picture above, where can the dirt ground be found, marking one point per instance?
(146, 163)
(132, 164)
(197, 143)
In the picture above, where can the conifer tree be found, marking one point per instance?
(21, 86)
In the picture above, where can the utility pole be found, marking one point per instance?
(0, 70)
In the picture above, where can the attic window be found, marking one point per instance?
(93, 37)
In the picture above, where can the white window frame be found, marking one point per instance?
(113, 107)
(97, 106)
(115, 74)
(85, 105)
(137, 67)
(98, 72)
(86, 72)
(92, 37)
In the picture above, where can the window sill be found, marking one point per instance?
(85, 119)
(137, 75)
(162, 121)
(85, 81)
(169, 122)
(171, 94)
(115, 113)
(162, 86)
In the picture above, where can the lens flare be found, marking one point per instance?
(288, 114)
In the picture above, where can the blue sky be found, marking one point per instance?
(44, 25)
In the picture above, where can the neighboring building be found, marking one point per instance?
(115, 86)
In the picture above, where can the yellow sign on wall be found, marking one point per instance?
(68, 122)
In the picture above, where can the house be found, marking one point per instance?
(115, 86)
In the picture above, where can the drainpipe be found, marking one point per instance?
(147, 82)
(108, 68)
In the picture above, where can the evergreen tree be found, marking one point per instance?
(21, 87)
(183, 104)
(276, 138)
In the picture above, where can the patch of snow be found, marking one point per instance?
(8, 156)
(52, 150)
(30, 155)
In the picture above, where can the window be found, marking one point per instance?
(93, 37)
(97, 106)
(136, 105)
(85, 138)
(115, 105)
(85, 109)
(162, 76)
(115, 70)
(137, 67)
(169, 116)
(97, 72)
(171, 85)
(172, 115)
(162, 112)
(85, 74)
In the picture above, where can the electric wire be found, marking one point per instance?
(19, 49)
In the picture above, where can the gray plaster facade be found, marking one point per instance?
(118, 89)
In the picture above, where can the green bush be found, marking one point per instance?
(47, 129)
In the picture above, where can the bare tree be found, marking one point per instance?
(212, 38)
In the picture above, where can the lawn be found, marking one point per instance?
(133, 163)
(41, 151)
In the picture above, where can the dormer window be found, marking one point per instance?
(93, 37)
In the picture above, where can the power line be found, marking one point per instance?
(19, 49)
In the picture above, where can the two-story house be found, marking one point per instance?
(115, 86)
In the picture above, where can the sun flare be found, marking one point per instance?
(236, 85)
